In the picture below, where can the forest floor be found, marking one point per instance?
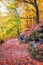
(12, 53)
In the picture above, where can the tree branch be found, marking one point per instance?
(29, 2)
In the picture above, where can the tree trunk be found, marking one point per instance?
(37, 15)
(37, 11)
(18, 30)
(27, 23)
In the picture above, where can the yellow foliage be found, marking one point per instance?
(12, 5)
(8, 23)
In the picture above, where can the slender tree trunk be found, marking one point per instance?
(37, 15)
(27, 23)
(18, 30)
(37, 11)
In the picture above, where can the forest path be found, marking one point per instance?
(11, 53)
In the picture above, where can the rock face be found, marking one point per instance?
(41, 34)
(27, 33)
(35, 41)
(36, 51)
(11, 53)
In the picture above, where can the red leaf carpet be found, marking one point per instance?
(11, 53)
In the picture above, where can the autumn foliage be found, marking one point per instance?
(21, 18)
(11, 53)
